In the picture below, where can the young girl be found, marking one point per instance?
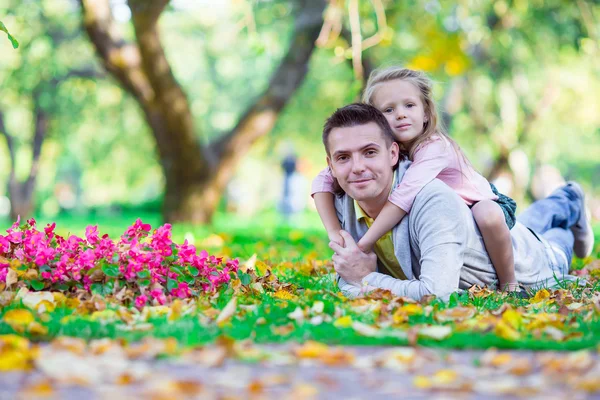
(404, 97)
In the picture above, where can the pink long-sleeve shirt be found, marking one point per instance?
(436, 158)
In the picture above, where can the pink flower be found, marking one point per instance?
(141, 301)
(49, 229)
(182, 291)
(159, 296)
(91, 234)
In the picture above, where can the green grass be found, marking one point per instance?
(276, 242)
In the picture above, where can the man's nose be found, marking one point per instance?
(358, 164)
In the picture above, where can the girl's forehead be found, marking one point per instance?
(397, 89)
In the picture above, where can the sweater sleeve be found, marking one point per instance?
(429, 161)
(437, 226)
(322, 182)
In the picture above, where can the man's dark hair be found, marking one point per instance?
(353, 115)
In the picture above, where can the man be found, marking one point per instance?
(437, 248)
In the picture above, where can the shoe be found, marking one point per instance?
(582, 230)
(521, 292)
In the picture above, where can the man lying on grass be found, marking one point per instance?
(437, 248)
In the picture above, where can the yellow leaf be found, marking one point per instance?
(343, 322)
(11, 360)
(422, 382)
(18, 318)
(38, 390)
(15, 342)
(311, 349)
(262, 268)
(513, 318)
(104, 315)
(541, 295)
(59, 298)
(45, 306)
(35, 328)
(445, 376)
(284, 295)
(505, 331)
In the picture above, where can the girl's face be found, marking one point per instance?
(400, 102)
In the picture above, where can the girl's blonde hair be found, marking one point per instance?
(424, 84)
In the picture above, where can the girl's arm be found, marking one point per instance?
(429, 161)
(322, 193)
(326, 210)
(389, 217)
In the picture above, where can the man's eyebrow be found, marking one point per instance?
(344, 151)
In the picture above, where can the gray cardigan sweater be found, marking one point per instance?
(440, 248)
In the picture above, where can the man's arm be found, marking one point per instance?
(437, 226)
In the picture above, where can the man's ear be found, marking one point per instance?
(394, 153)
(329, 165)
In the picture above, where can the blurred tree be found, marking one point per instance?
(36, 86)
(195, 174)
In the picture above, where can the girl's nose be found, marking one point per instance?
(400, 114)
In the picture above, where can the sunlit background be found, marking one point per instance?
(517, 81)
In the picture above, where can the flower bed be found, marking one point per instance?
(143, 266)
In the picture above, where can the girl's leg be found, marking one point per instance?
(498, 243)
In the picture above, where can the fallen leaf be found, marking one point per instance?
(343, 322)
(456, 314)
(11, 277)
(540, 296)
(227, 312)
(311, 349)
(435, 332)
(506, 331)
(365, 330)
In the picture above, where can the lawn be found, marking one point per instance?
(283, 291)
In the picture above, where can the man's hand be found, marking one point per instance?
(350, 262)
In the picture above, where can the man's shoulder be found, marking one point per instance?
(437, 188)
(439, 196)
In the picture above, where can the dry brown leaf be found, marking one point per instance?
(456, 314)
(11, 277)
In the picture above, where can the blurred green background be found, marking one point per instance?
(183, 111)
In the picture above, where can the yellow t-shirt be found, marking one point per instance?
(384, 247)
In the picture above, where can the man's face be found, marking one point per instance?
(361, 161)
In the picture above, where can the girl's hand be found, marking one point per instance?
(365, 246)
(336, 238)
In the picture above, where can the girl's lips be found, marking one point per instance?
(403, 126)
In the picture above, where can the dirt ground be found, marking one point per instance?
(306, 371)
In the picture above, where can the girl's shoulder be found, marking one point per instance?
(434, 143)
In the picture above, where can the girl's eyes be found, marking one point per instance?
(410, 105)
(388, 110)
